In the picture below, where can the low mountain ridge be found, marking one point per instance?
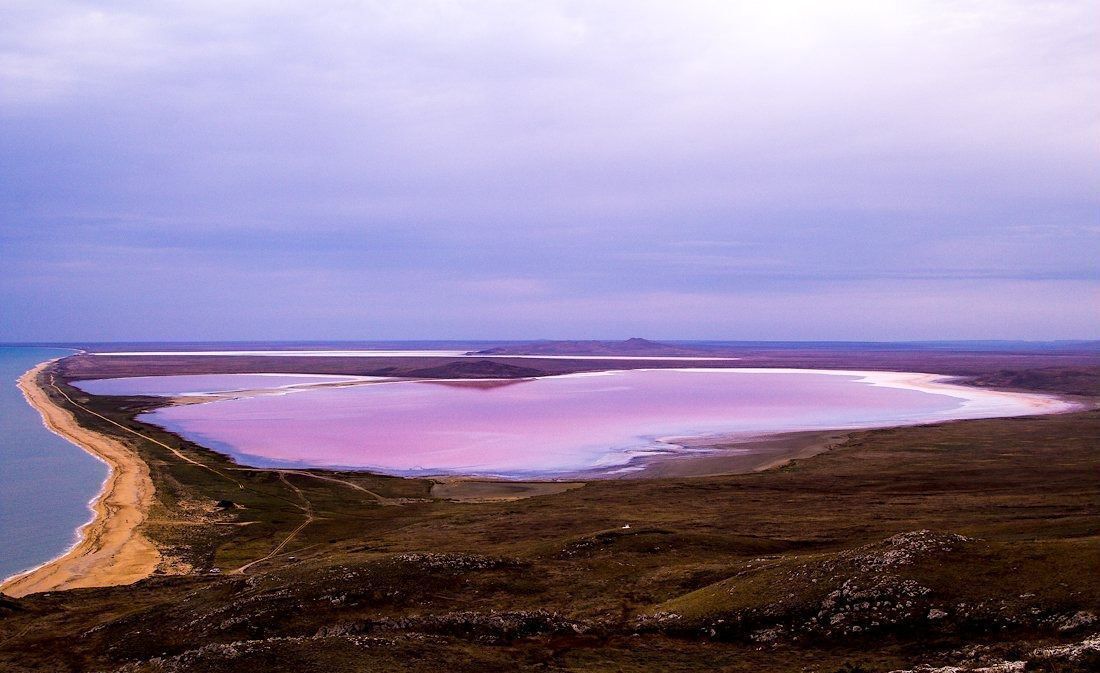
(633, 346)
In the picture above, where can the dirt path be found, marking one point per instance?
(382, 500)
(306, 507)
(147, 438)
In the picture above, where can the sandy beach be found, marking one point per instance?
(111, 549)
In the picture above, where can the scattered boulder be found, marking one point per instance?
(453, 562)
(1076, 621)
(904, 585)
(901, 550)
(1083, 656)
(486, 627)
(1004, 667)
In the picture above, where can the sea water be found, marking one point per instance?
(46, 482)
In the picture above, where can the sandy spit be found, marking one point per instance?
(111, 549)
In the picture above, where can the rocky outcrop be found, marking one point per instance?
(485, 627)
(906, 585)
(1079, 657)
(453, 562)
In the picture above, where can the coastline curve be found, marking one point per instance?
(110, 550)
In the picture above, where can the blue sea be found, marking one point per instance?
(45, 482)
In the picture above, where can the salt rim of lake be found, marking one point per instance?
(419, 354)
(191, 385)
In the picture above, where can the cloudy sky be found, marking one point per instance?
(400, 169)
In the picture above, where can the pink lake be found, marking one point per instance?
(546, 427)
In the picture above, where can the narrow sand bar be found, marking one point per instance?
(111, 549)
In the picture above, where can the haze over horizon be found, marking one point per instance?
(790, 170)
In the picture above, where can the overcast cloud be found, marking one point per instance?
(757, 170)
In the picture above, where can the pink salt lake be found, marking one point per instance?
(546, 427)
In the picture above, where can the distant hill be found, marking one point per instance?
(476, 369)
(634, 346)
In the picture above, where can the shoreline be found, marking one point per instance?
(110, 550)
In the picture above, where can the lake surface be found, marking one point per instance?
(205, 384)
(45, 482)
(543, 427)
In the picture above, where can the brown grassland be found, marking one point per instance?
(968, 543)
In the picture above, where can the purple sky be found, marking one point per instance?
(384, 170)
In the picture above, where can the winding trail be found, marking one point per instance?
(112, 550)
(306, 507)
(382, 500)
